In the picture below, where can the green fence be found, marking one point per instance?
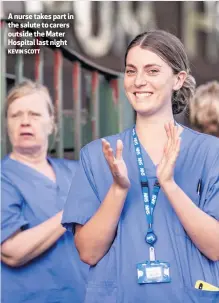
(98, 103)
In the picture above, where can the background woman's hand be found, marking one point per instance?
(116, 163)
(165, 169)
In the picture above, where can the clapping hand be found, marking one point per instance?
(165, 169)
(116, 163)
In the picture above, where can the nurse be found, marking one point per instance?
(145, 204)
(39, 262)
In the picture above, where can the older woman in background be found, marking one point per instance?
(39, 262)
(204, 109)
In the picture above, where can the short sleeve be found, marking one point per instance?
(211, 206)
(83, 200)
(12, 218)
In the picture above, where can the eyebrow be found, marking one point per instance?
(21, 111)
(16, 111)
(146, 66)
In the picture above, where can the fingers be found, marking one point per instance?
(108, 151)
(165, 170)
(177, 149)
(176, 134)
(172, 130)
(172, 135)
(119, 148)
(168, 144)
(116, 164)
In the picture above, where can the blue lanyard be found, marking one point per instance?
(148, 205)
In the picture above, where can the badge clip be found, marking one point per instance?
(152, 253)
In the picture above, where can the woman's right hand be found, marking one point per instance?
(116, 164)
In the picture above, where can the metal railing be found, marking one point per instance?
(107, 99)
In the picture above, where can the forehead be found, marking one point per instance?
(139, 56)
(35, 101)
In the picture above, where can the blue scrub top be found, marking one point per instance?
(114, 278)
(28, 199)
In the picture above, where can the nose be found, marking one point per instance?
(25, 120)
(140, 80)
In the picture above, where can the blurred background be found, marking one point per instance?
(85, 78)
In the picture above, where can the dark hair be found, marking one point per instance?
(171, 50)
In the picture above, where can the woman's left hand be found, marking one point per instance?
(165, 169)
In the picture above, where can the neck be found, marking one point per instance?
(151, 128)
(31, 158)
(153, 122)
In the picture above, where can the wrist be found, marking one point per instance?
(119, 189)
(169, 186)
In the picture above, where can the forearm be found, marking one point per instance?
(201, 228)
(94, 239)
(52, 239)
(28, 244)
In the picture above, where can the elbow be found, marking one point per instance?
(215, 253)
(88, 259)
(87, 253)
(10, 256)
(11, 261)
(86, 256)
(15, 263)
(214, 257)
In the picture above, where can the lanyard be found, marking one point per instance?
(149, 206)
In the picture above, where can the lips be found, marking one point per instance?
(143, 94)
(26, 134)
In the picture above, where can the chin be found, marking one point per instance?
(26, 145)
(143, 111)
(28, 148)
(142, 106)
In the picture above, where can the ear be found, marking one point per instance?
(179, 80)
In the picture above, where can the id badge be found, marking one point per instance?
(153, 272)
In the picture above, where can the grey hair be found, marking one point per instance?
(204, 107)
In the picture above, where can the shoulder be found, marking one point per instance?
(204, 140)
(5, 162)
(7, 171)
(95, 147)
(202, 146)
(8, 178)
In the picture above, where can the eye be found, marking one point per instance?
(15, 115)
(130, 71)
(35, 114)
(153, 71)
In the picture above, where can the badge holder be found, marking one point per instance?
(153, 271)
